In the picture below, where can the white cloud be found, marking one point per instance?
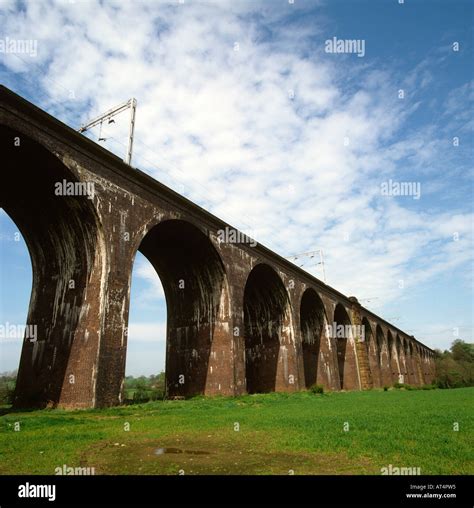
(147, 332)
(144, 270)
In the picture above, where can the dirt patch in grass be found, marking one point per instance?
(209, 455)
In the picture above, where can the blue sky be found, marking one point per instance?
(241, 109)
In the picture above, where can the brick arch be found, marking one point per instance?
(313, 324)
(372, 353)
(382, 356)
(65, 240)
(409, 373)
(268, 336)
(402, 359)
(150, 222)
(197, 299)
(393, 356)
(413, 363)
(428, 368)
(419, 363)
(349, 377)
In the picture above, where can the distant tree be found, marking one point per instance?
(142, 388)
(7, 387)
(462, 351)
(455, 367)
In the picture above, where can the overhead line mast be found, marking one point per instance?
(311, 255)
(108, 115)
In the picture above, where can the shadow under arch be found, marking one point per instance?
(390, 345)
(196, 292)
(347, 373)
(372, 352)
(399, 344)
(419, 363)
(312, 322)
(384, 366)
(266, 305)
(379, 337)
(368, 336)
(392, 358)
(64, 240)
(411, 373)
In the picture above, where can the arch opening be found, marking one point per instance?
(399, 345)
(372, 352)
(312, 321)
(63, 238)
(195, 287)
(392, 357)
(343, 334)
(15, 291)
(146, 337)
(390, 345)
(410, 363)
(384, 357)
(266, 306)
(369, 339)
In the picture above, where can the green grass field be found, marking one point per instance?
(277, 434)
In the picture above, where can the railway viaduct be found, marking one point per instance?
(240, 317)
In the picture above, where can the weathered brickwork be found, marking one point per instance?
(240, 317)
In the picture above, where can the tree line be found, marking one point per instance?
(143, 388)
(455, 367)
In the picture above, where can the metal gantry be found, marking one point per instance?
(108, 115)
(310, 255)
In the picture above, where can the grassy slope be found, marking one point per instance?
(278, 433)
